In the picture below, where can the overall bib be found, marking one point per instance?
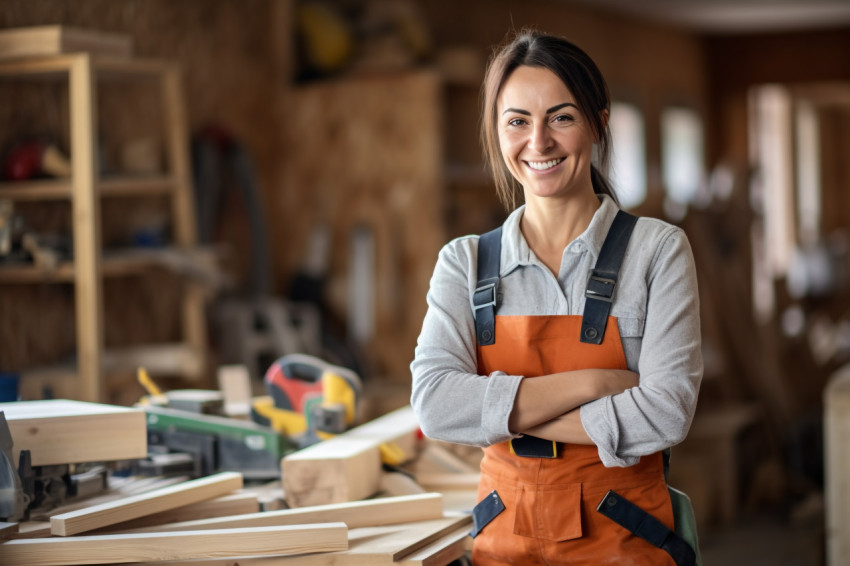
(543, 510)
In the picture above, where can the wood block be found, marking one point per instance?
(369, 546)
(123, 548)
(136, 506)
(355, 514)
(234, 381)
(837, 460)
(443, 551)
(235, 504)
(444, 481)
(347, 467)
(53, 40)
(60, 431)
(7, 530)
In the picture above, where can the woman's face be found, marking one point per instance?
(546, 142)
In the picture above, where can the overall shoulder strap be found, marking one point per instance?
(484, 299)
(599, 293)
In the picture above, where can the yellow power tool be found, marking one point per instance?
(308, 399)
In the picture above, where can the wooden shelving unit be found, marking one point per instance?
(84, 190)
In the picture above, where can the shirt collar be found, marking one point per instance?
(516, 252)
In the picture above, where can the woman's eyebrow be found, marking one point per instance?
(559, 106)
(517, 110)
(549, 111)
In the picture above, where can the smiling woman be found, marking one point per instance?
(591, 368)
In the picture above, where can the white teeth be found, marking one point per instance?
(541, 165)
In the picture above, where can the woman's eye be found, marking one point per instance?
(516, 122)
(563, 118)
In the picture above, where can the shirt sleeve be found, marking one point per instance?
(452, 402)
(658, 412)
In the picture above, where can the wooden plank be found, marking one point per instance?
(228, 506)
(448, 481)
(157, 501)
(85, 207)
(54, 39)
(7, 530)
(443, 551)
(112, 549)
(355, 514)
(837, 426)
(346, 467)
(399, 541)
(60, 431)
(416, 542)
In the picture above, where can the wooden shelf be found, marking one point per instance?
(158, 359)
(114, 263)
(83, 73)
(106, 67)
(61, 189)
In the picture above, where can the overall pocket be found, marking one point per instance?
(549, 512)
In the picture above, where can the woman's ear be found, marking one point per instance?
(605, 114)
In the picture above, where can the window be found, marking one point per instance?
(682, 154)
(628, 160)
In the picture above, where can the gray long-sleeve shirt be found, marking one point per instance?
(657, 309)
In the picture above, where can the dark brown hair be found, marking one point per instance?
(580, 75)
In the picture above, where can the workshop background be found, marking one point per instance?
(330, 150)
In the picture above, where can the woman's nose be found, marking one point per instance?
(541, 140)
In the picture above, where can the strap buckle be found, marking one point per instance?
(601, 288)
(480, 302)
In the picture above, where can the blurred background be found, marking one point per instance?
(334, 151)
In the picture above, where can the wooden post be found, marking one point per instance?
(86, 227)
(183, 206)
(837, 425)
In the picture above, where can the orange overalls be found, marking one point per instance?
(547, 507)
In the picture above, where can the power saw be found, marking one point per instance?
(308, 399)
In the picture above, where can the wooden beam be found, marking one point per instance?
(7, 530)
(355, 514)
(60, 431)
(448, 481)
(837, 426)
(347, 467)
(112, 549)
(171, 497)
(445, 550)
(401, 541)
(228, 506)
(369, 546)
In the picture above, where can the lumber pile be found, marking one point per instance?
(408, 529)
(352, 512)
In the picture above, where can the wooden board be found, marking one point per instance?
(53, 40)
(7, 530)
(346, 467)
(412, 544)
(60, 431)
(443, 551)
(229, 506)
(355, 514)
(837, 427)
(111, 549)
(136, 506)
(448, 481)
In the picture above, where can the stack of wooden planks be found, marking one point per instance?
(410, 530)
(343, 516)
